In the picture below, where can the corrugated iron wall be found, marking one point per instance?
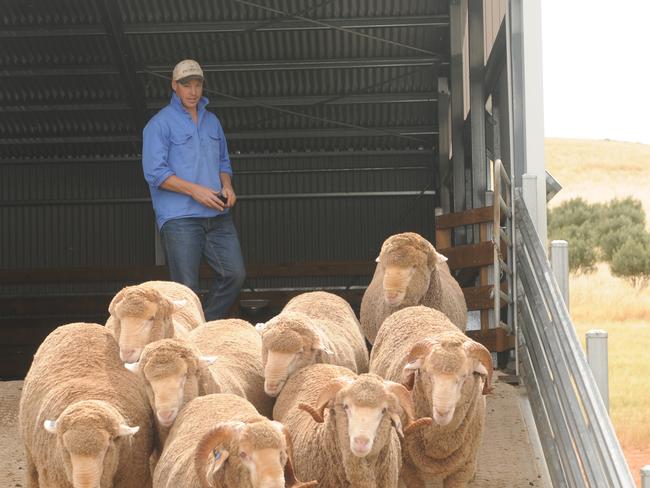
(311, 110)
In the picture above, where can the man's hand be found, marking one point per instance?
(229, 193)
(208, 197)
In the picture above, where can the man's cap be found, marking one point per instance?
(187, 69)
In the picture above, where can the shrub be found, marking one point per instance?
(632, 261)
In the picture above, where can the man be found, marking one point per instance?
(185, 161)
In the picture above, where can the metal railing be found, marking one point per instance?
(577, 436)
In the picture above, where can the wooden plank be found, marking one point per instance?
(495, 340)
(466, 217)
(469, 256)
(443, 238)
(137, 274)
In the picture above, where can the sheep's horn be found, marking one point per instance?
(289, 474)
(316, 415)
(223, 432)
(417, 424)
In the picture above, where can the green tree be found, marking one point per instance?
(632, 261)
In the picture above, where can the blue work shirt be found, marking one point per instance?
(174, 145)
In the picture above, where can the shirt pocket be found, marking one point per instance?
(214, 147)
(180, 150)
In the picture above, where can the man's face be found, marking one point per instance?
(189, 92)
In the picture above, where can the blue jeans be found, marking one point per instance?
(187, 240)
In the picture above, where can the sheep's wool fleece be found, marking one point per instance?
(433, 450)
(238, 368)
(335, 320)
(318, 451)
(77, 369)
(176, 465)
(443, 293)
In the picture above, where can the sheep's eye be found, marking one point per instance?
(345, 406)
(384, 410)
(152, 318)
(243, 456)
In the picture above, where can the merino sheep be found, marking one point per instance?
(151, 311)
(220, 441)
(314, 327)
(222, 356)
(353, 445)
(410, 272)
(448, 374)
(85, 420)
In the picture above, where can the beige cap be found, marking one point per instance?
(188, 68)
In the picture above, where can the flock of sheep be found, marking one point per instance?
(158, 397)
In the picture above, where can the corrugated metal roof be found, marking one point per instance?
(315, 96)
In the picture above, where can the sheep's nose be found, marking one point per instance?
(166, 417)
(441, 412)
(128, 355)
(361, 443)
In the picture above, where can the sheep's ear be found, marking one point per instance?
(377, 259)
(205, 361)
(125, 430)
(133, 367)
(259, 327)
(50, 426)
(117, 299)
(440, 258)
(178, 304)
(414, 362)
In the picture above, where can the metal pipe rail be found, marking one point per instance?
(577, 436)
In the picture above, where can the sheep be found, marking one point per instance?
(220, 441)
(222, 356)
(84, 419)
(150, 311)
(448, 375)
(314, 327)
(353, 444)
(410, 272)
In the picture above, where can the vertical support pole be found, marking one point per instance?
(645, 476)
(529, 190)
(457, 21)
(560, 265)
(597, 359)
(477, 102)
(444, 144)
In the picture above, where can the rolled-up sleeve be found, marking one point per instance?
(155, 151)
(224, 158)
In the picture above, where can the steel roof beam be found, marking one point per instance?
(286, 25)
(233, 156)
(222, 102)
(281, 65)
(231, 26)
(413, 131)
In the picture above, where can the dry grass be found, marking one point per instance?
(599, 171)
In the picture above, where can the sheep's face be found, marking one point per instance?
(257, 449)
(288, 344)
(444, 376)
(364, 410)
(88, 439)
(170, 370)
(408, 261)
(141, 317)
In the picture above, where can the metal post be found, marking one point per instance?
(560, 265)
(645, 476)
(597, 359)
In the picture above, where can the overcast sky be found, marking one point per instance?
(597, 69)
